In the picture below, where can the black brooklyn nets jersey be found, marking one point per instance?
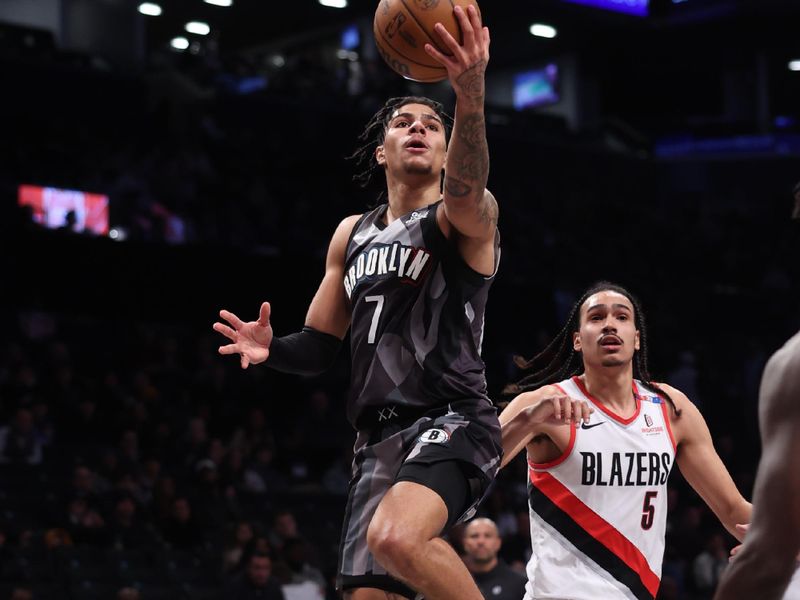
(417, 314)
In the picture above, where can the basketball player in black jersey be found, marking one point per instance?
(410, 280)
(769, 556)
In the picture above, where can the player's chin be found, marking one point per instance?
(613, 361)
(416, 168)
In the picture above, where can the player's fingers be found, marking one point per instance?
(742, 526)
(464, 18)
(225, 330)
(567, 409)
(229, 349)
(448, 39)
(475, 20)
(244, 361)
(556, 407)
(487, 39)
(586, 411)
(438, 56)
(232, 319)
(263, 316)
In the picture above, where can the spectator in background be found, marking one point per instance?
(284, 528)
(181, 529)
(256, 581)
(708, 566)
(240, 537)
(128, 593)
(295, 557)
(495, 579)
(20, 443)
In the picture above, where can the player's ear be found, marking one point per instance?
(636, 343)
(380, 155)
(576, 341)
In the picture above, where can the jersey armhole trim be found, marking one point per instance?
(668, 426)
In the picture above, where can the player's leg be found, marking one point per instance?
(404, 536)
(377, 460)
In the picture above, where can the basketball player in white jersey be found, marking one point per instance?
(764, 565)
(410, 281)
(601, 440)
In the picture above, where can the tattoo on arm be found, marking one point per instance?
(488, 209)
(472, 81)
(469, 158)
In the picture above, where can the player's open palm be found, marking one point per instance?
(559, 409)
(250, 340)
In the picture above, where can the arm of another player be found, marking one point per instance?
(313, 349)
(530, 413)
(702, 467)
(468, 206)
(764, 565)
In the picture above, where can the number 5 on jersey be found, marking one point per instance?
(373, 328)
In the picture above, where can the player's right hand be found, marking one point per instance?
(251, 340)
(559, 409)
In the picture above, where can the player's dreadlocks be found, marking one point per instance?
(375, 132)
(559, 360)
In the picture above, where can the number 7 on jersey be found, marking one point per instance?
(373, 328)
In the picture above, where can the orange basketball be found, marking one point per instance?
(403, 27)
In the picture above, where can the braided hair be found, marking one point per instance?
(796, 193)
(375, 132)
(559, 360)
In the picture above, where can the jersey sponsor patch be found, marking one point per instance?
(434, 436)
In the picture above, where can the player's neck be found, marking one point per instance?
(403, 198)
(613, 386)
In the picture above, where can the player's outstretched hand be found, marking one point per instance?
(251, 340)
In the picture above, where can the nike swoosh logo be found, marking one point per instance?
(585, 426)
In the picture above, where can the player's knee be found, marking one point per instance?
(389, 543)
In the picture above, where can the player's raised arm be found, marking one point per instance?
(469, 206)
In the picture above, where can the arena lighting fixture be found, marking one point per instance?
(542, 30)
(220, 2)
(794, 65)
(334, 3)
(179, 43)
(198, 27)
(150, 9)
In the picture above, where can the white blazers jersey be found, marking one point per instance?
(598, 512)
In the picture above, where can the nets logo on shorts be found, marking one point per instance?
(434, 436)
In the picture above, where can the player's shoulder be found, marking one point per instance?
(345, 228)
(680, 399)
(781, 379)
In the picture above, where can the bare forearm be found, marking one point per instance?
(467, 166)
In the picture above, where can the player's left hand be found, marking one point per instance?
(467, 65)
(742, 528)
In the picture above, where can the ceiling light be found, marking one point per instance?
(542, 30)
(198, 27)
(179, 43)
(149, 9)
(220, 2)
(334, 3)
(794, 65)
